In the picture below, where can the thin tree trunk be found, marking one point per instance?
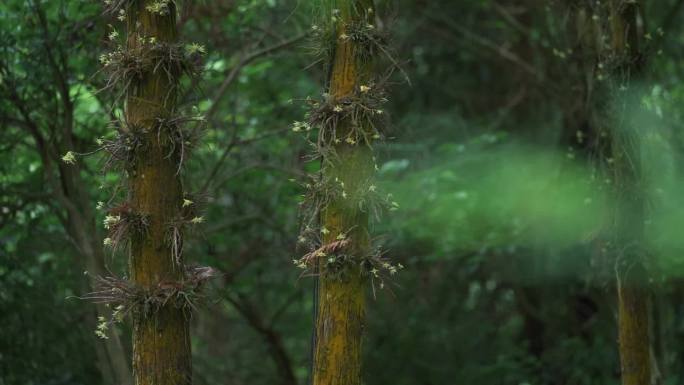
(632, 287)
(114, 354)
(161, 341)
(111, 357)
(340, 315)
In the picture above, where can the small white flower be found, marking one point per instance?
(99, 205)
(69, 158)
(107, 242)
(111, 220)
(197, 220)
(195, 48)
(337, 108)
(364, 89)
(324, 231)
(160, 7)
(187, 202)
(113, 35)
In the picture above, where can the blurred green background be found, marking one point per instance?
(504, 204)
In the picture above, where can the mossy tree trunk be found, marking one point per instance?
(632, 280)
(612, 45)
(340, 316)
(161, 342)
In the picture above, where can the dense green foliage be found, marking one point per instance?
(504, 199)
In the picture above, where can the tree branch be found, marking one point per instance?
(244, 60)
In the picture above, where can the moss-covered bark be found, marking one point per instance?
(161, 343)
(341, 299)
(633, 315)
(633, 295)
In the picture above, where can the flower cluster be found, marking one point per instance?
(179, 134)
(369, 42)
(189, 217)
(116, 6)
(355, 119)
(122, 223)
(69, 158)
(125, 65)
(123, 150)
(338, 257)
(321, 190)
(160, 7)
(125, 297)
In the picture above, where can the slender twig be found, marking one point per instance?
(244, 60)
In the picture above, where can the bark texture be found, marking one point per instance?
(340, 314)
(632, 287)
(161, 341)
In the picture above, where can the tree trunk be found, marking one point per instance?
(111, 357)
(340, 315)
(161, 340)
(632, 280)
